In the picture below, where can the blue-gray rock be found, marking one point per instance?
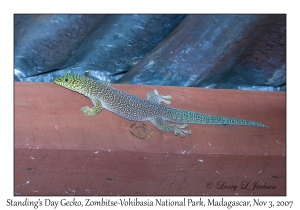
(107, 46)
(44, 43)
(218, 51)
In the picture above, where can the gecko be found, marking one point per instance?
(131, 107)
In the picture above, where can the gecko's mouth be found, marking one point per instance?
(58, 81)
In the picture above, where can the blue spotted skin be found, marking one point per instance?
(131, 107)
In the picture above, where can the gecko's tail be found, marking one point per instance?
(184, 116)
(209, 119)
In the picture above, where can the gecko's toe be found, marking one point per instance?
(189, 132)
(183, 126)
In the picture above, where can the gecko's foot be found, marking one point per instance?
(162, 98)
(87, 111)
(179, 130)
(162, 124)
(158, 98)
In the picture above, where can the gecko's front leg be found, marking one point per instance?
(92, 111)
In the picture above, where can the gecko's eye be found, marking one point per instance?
(66, 80)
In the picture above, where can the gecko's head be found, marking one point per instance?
(71, 81)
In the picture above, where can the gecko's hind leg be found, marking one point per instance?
(158, 98)
(161, 124)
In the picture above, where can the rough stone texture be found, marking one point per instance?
(59, 151)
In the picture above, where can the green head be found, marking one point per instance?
(72, 81)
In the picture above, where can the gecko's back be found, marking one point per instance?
(131, 107)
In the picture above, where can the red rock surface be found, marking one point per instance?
(59, 151)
